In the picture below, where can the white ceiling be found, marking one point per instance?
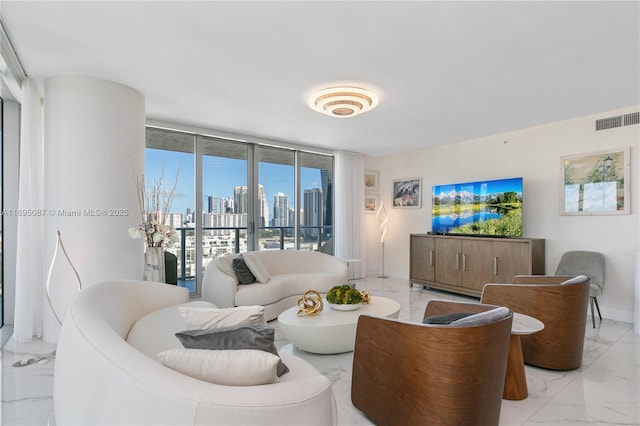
(445, 71)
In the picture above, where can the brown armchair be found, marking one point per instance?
(413, 373)
(562, 309)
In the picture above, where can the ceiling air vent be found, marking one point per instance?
(631, 119)
(618, 121)
(608, 123)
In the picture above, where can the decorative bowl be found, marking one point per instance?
(345, 307)
(344, 294)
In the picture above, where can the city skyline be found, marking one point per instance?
(220, 177)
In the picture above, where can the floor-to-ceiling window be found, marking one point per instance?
(316, 193)
(170, 157)
(233, 196)
(225, 197)
(276, 198)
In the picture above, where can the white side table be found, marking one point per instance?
(349, 272)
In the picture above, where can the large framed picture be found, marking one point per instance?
(371, 180)
(407, 193)
(596, 183)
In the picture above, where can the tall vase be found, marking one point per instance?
(154, 264)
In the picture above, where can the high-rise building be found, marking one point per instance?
(327, 196)
(207, 222)
(241, 204)
(227, 205)
(292, 216)
(264, 207)
(313, 209)
(214, 204)
(280, 209)
(229, 220)
(240, 199)
(174, 220)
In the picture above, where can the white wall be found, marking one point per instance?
(94, 136)
(534, 154)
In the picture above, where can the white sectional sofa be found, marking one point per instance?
(103, 377)
(288, 275)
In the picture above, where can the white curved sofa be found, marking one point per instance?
(102, 379)
(291, 273)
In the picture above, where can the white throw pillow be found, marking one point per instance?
(156, 331)
(208, 318)
(225, 264)
(575, 280)
(256, 267)
(244, 367)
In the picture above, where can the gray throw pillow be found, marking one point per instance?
(242, 271)
(446, 318)
(237, 337)
(486, 317)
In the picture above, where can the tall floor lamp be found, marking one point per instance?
(45, 358)
(382, 220)
(53, 261)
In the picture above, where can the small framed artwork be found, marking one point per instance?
(370, 203)
(596, 183)
(371, 180)
(407, 193)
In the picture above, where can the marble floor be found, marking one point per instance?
(604, 391)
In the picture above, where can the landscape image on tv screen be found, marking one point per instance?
(491, 207)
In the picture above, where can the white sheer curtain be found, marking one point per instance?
(349, 210)
(29, 257)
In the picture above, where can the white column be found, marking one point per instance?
(94, 137)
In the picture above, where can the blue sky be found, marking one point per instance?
(220, 176)
(492, 186)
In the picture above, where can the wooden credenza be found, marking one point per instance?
(465, 264)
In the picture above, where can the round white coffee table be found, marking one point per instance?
(331, 331)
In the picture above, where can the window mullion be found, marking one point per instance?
(198, 213)
(253, 225)
(298, 201)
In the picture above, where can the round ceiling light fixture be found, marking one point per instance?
(343, 101)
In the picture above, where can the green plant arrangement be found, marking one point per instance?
(344, 294)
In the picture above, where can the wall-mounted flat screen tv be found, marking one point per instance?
(488, 208)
